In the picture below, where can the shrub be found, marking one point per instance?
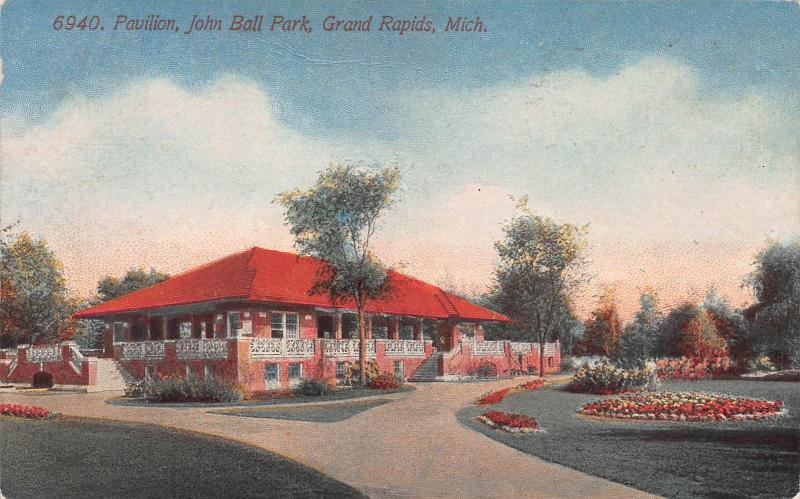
(483, 369)
(174, 389)
(605, 379)
(23, 411)
(383, 381)
(353, 373)
(693, 368)
(312, 387)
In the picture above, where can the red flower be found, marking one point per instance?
(23, 411)
(495, 397)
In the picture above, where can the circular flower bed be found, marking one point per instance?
(684, 406)
(23, 411)
(514, 423)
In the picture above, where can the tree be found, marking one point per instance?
(541, 266)
(689, 331)
(638, 339)
(775, 317)
(335, 221)
(35, 305)
(134, 279)
(729, 324)
(603, 329)
(90, 333)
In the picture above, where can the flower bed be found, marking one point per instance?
(23, 411)
(497, 396)
(514, 423)
(606, 379)
(683, 406)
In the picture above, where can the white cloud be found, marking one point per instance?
(159, 174)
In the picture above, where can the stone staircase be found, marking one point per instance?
(429, 369)
(110, 376)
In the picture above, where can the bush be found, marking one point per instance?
(353, 374)
(604, 379)
(483, 369)
(174, 389)
(312, 387)
(383, 381)
(694, 368)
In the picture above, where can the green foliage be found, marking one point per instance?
(335, 221)
(312, 387)
(134, 279)
(638, 339)
(604, 379)
(775, 318)
(175, 389)
(541, 267)
(35, 305)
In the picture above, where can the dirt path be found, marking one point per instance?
(411, 447)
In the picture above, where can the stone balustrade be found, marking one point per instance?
(404, 348)
(43, 355)
(346, 348)
(143, 350)
(281, 347)
(206, 349)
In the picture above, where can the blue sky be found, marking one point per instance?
(671, 128)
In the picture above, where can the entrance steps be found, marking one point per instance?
(428, 371)
(111, 376)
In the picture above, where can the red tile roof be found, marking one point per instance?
(261, 275)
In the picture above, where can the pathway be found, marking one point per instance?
(413, 447)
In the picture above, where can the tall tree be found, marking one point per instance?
(35, 305)
(775, 318)
(541, 265)
(603, 329)
(335, 221)
(638, 338)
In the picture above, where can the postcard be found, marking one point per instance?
(399, 249)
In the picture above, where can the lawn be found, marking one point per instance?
(672, 459)
(323, 413)
(82, 458)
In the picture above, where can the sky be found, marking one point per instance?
(670, 129)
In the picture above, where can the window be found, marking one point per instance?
(272, 376)
(185, 330)
(467, 331)
(398, 369)
(295, 373)
(188, 372)
(203, 329)
(150, 372)
(341, 370)
(208, 371)
(549, 362)
(119, 331)
(284, 325)
(234, 323)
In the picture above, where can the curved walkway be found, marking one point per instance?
(411, 447)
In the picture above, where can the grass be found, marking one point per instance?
(84, 458)
(732, 459)
(324, 413)
(340, 394)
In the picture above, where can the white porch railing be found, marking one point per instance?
(201, 349)
(143, 350)
(40, 355)
(13, 364)
(280, 347)
(346, 348)
(521, 348)
(76, 359)
(404, 348)
(481, 348)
